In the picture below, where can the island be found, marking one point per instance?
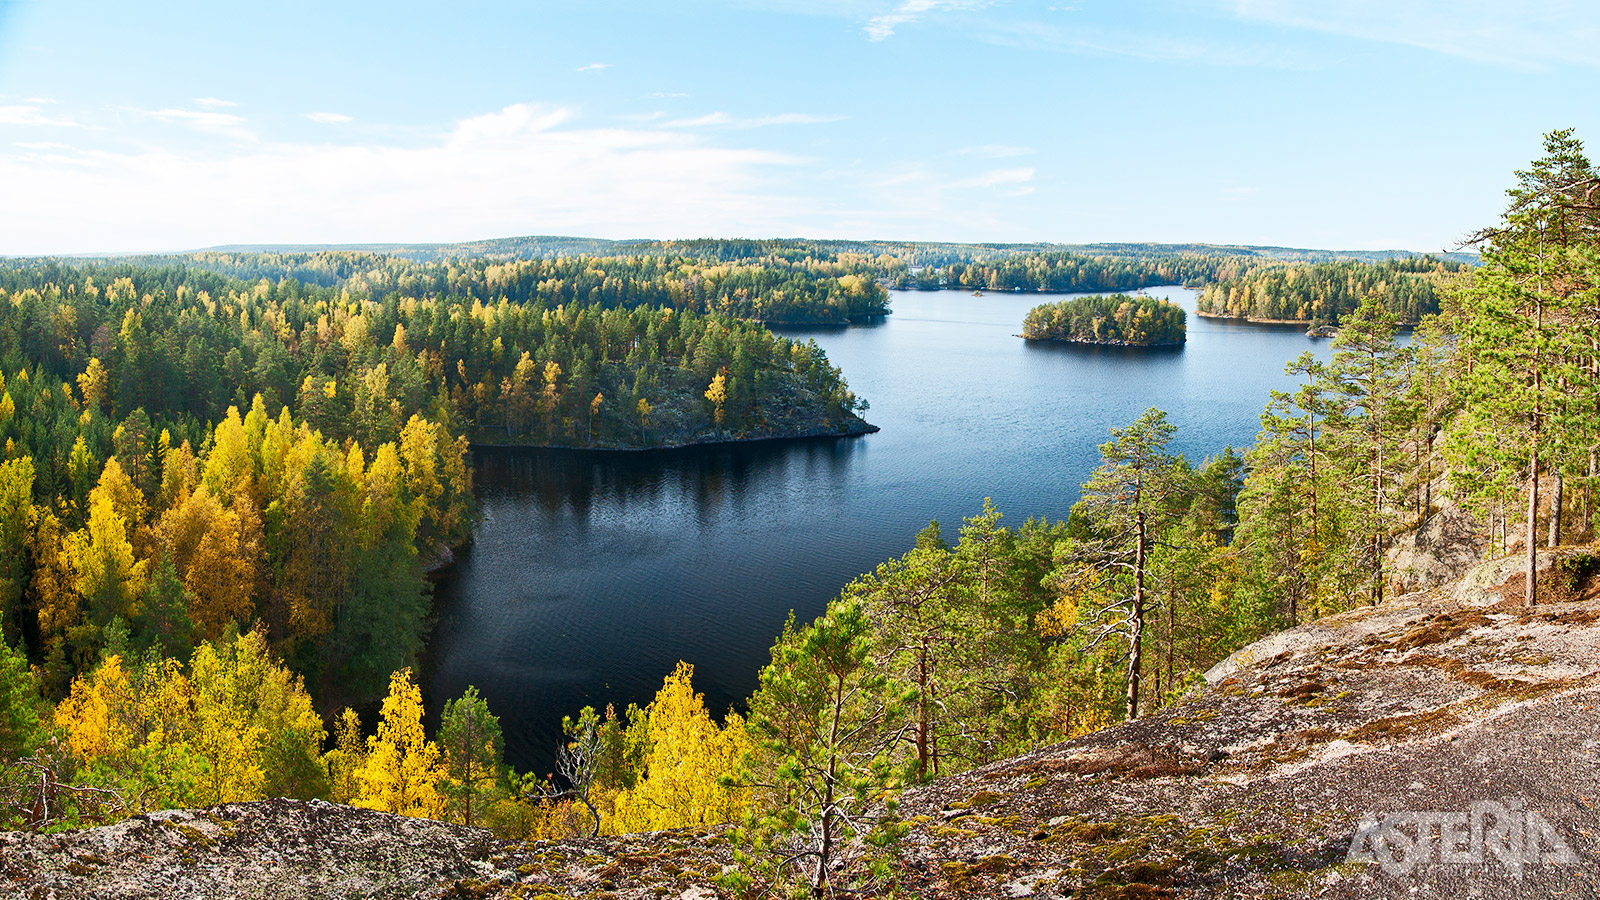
(1119, 320)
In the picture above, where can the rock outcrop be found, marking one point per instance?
(1424, 748)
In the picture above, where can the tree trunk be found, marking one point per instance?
(819, 885)
(1530, 585)
(593, 812)
(1555, 511)
(1136, 638)
(922, 712)
(1311, 457)
(1377, 517)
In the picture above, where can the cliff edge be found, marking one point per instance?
(1429, 747)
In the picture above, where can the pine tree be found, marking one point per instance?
(1518, 333)
(1130, 499)
(825, 768)
(1367, 376)
(470, 738)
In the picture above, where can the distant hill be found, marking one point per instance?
(916, 253)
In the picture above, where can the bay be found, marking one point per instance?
(592, 574)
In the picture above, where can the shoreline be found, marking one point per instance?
(1254, 320)
(860, 429)
(1127, 345)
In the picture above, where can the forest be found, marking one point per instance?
(729, 275)
(167, 571)
(202, 471)
(1107, 319)
(796, 289)
(1323, 293)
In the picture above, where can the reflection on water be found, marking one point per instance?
(592, 574)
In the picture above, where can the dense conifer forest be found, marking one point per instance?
(217, 492)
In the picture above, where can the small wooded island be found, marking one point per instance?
(1119, 320)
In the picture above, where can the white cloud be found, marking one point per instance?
(667, 95)
(723, 120)
(328, 118)
(881, 27)
(1526, 34)
(31, 114)
(593, 67)
(213, 103)
(525, 169)
(225, 125)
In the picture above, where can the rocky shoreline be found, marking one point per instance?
(1154, 345)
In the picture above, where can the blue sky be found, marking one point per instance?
(1333, 124)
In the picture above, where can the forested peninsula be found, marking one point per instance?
(1324, 292)
(189, 455)
(1114, 320)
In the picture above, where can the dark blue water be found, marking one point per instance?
(593, 574)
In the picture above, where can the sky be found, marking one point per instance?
(1334, 124)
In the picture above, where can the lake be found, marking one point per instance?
(592, 574)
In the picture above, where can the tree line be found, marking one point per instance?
(787, 288)
(1062, 271)
(1323, 293)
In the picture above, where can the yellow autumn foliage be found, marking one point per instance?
(402, 769)
(688, 756)
(236, 726)
(214, 550)
(104, 572)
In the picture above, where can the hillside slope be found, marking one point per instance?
(1422, 714)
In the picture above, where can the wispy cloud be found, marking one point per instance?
(1528, 34)
(1153, 47)
(30, 114)
(593, 67)
(225, 125)
(213, 103)
(328, 118)
(724, 120)
(882, 27)
(996, 151)
(667, 95)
